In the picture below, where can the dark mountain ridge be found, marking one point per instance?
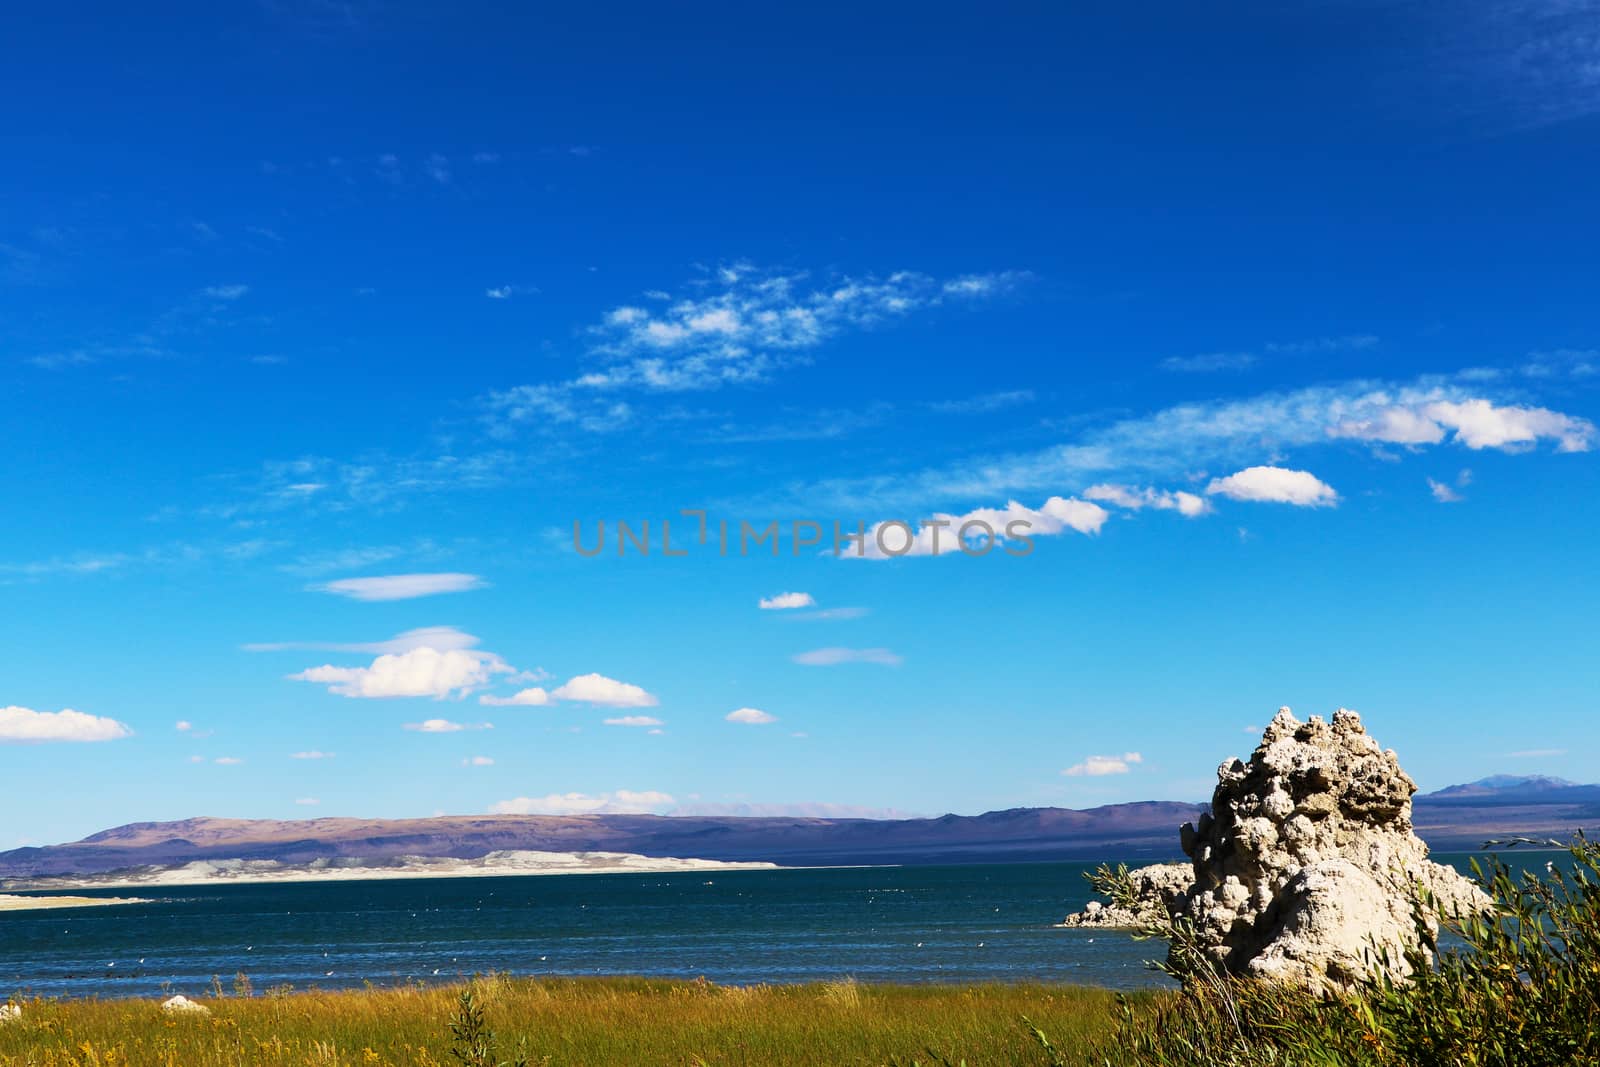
(1457, 818)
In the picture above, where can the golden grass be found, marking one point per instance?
(582, 1022)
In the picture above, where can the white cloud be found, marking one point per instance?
(750, 717)
(501, 292)
(401, 586)
(1275, 485)
(1443, 493)
(1538, 753)
(442, 638)
(1099, 766)
(984, 528)
(312, 754)
(225, 292)
(533, 697)
(309, 802)
(737, 325)
(832, 614)
(477, 761)
(1169, 443)
(1209, 362)
(445, 726)
(227, 761)
(421, 672)
(623, 801)
(787, 601)
(183, 726)
(1477, 423)
(24, 725)
(1393, 425)
(633, 720)
(607, 692)
(828, 657)
(1346, 343)
(1189, 505)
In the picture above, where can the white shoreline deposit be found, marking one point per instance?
(9, 902)
(493, 865)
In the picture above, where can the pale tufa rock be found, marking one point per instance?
(182, 1005)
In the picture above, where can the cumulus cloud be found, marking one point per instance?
(401, 586)
(183, 726)
(1275, 485)
(532, 697)
(1099, 766)
(1443, 493)
(607, 692)
(1477, 423)
(621, 802)
(829, 657)
(20, 725)
(445, 726)
(787, 601)
(1189, 505)
(633, 720)
(584, 689)
(750, 717)
(421, 672)
(976, 532)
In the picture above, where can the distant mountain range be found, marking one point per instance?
(1458, 818)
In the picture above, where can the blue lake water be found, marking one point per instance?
(989, 922)
(968, 923)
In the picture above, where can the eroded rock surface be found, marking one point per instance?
(1156, 889)
(1307, 868)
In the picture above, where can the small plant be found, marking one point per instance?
(472, 1043)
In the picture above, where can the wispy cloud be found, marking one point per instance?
(1132, 499)
(1537, 753)
(830, 657)
(737, 325)
(1173, 442)
(976, 532)
(633, 720)
(1209, 362)
(623, 801)
(401, 586)
(313, 754)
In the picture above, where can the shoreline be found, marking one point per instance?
(12, 902)
(204, 873)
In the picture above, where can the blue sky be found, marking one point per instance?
(321, 325)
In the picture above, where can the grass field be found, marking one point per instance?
(588, 1023)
